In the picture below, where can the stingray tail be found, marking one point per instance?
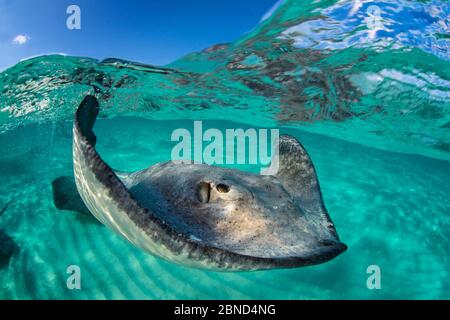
(66, 196)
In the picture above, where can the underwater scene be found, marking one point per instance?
(359, 92)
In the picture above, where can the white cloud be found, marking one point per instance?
(21, 39)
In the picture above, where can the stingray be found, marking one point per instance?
(204, 216)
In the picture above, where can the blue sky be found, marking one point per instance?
(151, 31)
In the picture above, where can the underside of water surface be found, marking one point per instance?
(370, 104)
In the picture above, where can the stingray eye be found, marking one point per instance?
(204, 192)
(223, 188)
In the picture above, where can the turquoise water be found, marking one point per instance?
(372, 112)
(391, 210)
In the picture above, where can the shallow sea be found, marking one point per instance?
(391, 209)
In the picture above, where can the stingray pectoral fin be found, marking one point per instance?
(107, 197)
(298, 176)
(66, 196)
(297, 172)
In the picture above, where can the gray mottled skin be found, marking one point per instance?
(209, 217)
